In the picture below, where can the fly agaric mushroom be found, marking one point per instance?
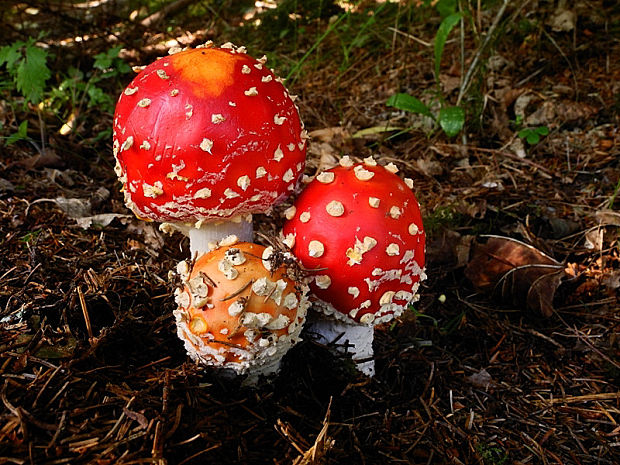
(239, 308)
(360, 225)
(205, 137)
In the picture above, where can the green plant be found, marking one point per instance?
(26, 67)
(492, 454)
(21, 134)
(293, 74)
(79, 88)
(454, 323)
(27, 71)
(357, 32)
(442, 217)
(30, 237)
(450, 118)
(613, 196)
(419, 315)
(533, 135)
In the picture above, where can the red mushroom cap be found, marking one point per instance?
(207, 133)
(361, 225)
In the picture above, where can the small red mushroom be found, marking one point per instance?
(360, 225)
(205, 137)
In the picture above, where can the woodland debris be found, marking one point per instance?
(517, 272)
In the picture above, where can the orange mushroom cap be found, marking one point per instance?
(236, 311)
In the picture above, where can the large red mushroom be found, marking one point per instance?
(360, 226)
(205, 137)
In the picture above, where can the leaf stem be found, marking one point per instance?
(475, 61)
(298, 65)
(613, 196)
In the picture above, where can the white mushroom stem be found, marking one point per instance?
(206, 234)
(262, 370)
(355, 339)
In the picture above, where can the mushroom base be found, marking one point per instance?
(253, 365)
(358, 339)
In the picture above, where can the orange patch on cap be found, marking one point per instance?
(208, 71)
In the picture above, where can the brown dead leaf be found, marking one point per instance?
(541, 292)
(328, 144)
(611, 280)
(549, 112)
(137, 416)
(428, 166)
(517, 272)
(323, 155)
(330, 134)
(475, 209)
(48, 158)
(449, 83)
(608, 217)
(152, 238)
(482, 379)
(449, 248)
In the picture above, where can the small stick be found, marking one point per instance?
(238, 291)
(89, 328)
(410, 36)
(157, 449)
(118, 422)
(206, 276)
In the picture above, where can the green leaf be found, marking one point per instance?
(123, 67)
(532, 138)
(532, 135)
(451, 120)
(106, 59)
(21, 134)
(9, 54)
(102, 61)
(446, 7)
(97, 97)
(32, 73)
(442, 35)
(375, 130)
(408, 103)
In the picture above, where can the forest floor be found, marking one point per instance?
(512, 355)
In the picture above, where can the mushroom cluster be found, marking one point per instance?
(204, 138)
(239, 307)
